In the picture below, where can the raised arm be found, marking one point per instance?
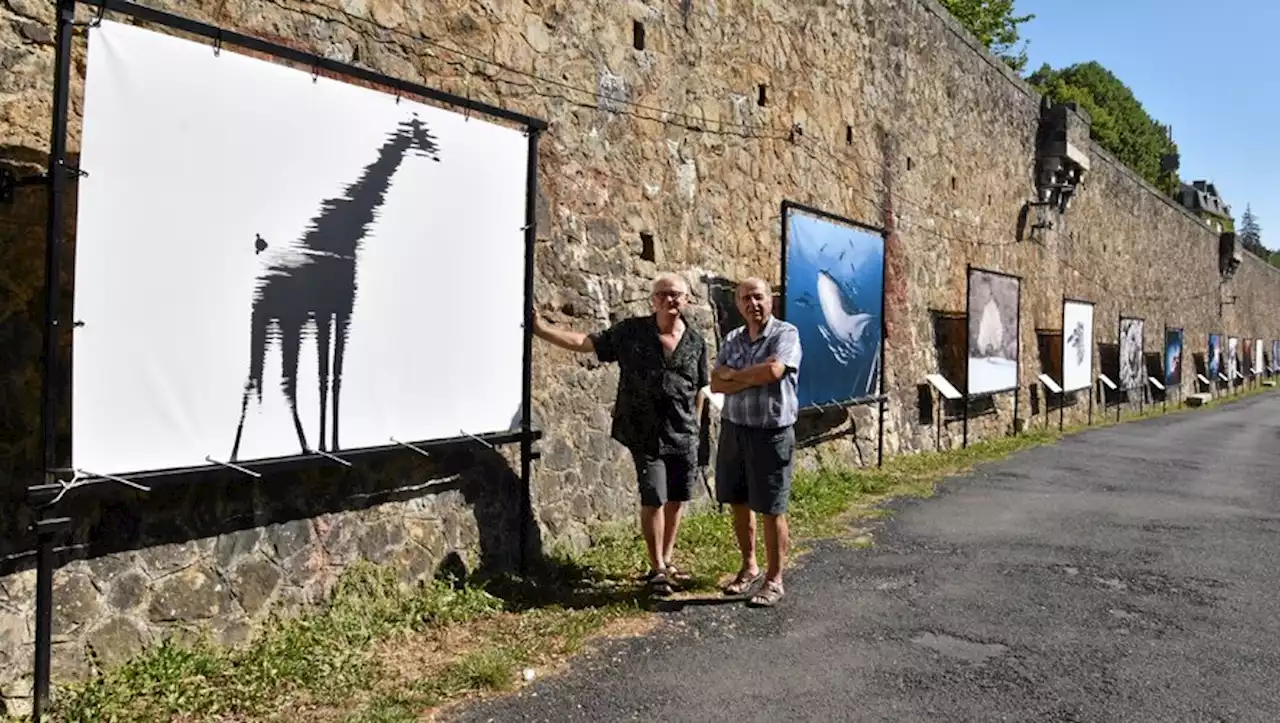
(563, 338)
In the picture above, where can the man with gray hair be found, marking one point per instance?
(663, 368)
(756, 369)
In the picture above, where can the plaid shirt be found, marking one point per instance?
(769, 406)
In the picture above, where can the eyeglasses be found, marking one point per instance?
(669, 294)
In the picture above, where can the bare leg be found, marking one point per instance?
(776, 541)
(744, 529)
(651, 525)
(672, 512)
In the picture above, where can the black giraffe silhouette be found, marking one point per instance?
(312, 285)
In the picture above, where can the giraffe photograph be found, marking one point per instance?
(271, 262)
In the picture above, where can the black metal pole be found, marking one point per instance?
(66, 11)
(526, 390)
(1017, 367)
(880, 441)
(47, 532)
(968, 372)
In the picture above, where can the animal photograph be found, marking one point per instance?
(1215, 357)
(993, 332)
(1258, 366)
(1233, 358)
(267, 262)
(1275, 356)
(1172, 357)
(1246, 358)
(834, 294)
(1132, 366)
(1077, 347)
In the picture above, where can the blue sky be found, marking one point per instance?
(1210, 70)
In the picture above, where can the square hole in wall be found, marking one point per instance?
(848, 135)
(637, 34)
(763, 98)
(647, 250)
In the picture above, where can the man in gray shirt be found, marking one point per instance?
(756, 369)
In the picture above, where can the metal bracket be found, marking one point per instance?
(10, 183)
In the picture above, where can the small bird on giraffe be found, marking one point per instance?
(259, 243)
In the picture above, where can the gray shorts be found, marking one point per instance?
(753, 467)
(664, 478)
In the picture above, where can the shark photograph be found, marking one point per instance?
(834, 290)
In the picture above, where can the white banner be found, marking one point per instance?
(251, 234)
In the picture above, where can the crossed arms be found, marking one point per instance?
(727, 380)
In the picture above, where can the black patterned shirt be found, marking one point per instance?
(655, 408)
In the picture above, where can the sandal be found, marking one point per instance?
(676, 575)
(743, 582)
(768, 596)
(658, 584)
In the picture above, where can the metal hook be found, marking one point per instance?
(339, 460)
(231, 465)
(217, 44)
(315, 73)
(419, 450)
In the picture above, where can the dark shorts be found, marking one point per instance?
(664, 478)
(753, 467)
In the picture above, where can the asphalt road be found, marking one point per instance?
(1125, 574)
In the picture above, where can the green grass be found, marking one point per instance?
(326, 659)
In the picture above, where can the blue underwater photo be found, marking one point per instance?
(834, 296)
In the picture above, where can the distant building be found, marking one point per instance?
(1203, 200)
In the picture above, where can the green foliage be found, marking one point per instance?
(995, 26)
(1250, 234)
(1120, 123)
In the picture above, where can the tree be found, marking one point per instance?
(995, 26)
(1120, 123)
(1250, 234)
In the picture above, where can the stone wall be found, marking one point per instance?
(677, 156)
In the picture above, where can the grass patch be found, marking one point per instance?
(381, 652)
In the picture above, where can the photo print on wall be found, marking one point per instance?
(1257, 356)
(1172, 357)
(256, 252)
(1132, 372)
(834, 294)
(1275, 355)
(1233, 357)
(993, 301)
(1077, 347)
(1246, 357)
(1215, 357)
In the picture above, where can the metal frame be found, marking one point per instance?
(880, 397)
(968, 378)
(45, 496)
(1070, 300)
